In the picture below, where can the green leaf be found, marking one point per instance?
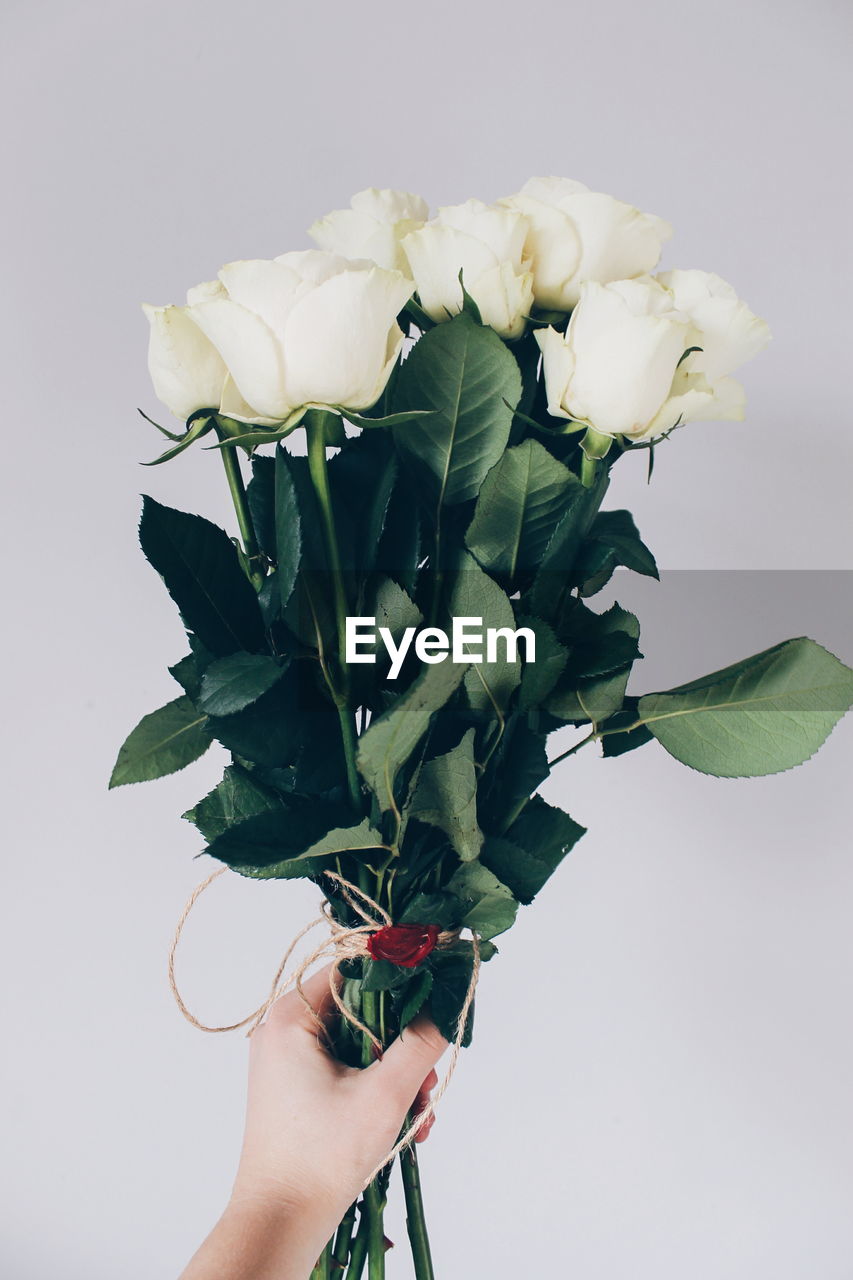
(414, 996)
(234, 799)
(469, 306)
(554, 574)
(390, 739)
(767, 713)
(613, 540)
(617, 530)
(619, 735)
(347, 840)
(381, 487)
(517, 768)
(260, 493)
(310, 612)
(399, 550)
(519, 505)
(188, 675)
(433, 908)
(201, 570)
(446, 797)
(451, 977)
(546, 832)
(609, 651)
(476, 595)
(288, 528)
(382, 975)
(490, 907)
(163, 742)
(538, 678)
(291, 841)
(466, 374)
(417, 313)
(596, 677)
(524, 871)
(271, 730)
(394, 609)
(232, 683)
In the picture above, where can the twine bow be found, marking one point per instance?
(344, 942)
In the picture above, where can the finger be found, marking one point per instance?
(292, 1010)
(423, 1093)
(425, 1129)
(409, 1060)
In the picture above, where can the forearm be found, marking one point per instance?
(251, 1242)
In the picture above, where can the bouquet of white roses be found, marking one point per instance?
(405, 619)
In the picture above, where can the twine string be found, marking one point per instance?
(343, 942)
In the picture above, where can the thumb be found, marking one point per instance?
(409, 1059)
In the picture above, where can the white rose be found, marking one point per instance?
(187, 371)
(726, 330)
(372, 227)
(576, 235)
(613, 369)
(728, 334)
(307, 328)
(486, 244)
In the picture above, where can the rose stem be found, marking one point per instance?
(358, 1256)
(375, 1232)
(343, 1239)
(415, 1219)
(373, 1198)
(238, 496)
(315, 424)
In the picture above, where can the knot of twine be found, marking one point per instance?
(343, 943)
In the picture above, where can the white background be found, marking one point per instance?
(660, 1082)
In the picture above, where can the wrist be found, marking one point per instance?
(276, 1238)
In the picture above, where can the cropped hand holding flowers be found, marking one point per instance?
(496, 362)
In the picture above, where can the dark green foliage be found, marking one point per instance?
(520, 503)
(286, 528)
(623, 732)
(232, 683)
(612, 540)
(465, 374)
(280, 842)
(162, 742)
(411, 1000)
(237, 797)
(202, 572)
(601, 650)
(272, 730)
(545, 830)
(461, 497)
(451, 977)
(515, 770)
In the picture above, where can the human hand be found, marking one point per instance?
(315, 1130)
